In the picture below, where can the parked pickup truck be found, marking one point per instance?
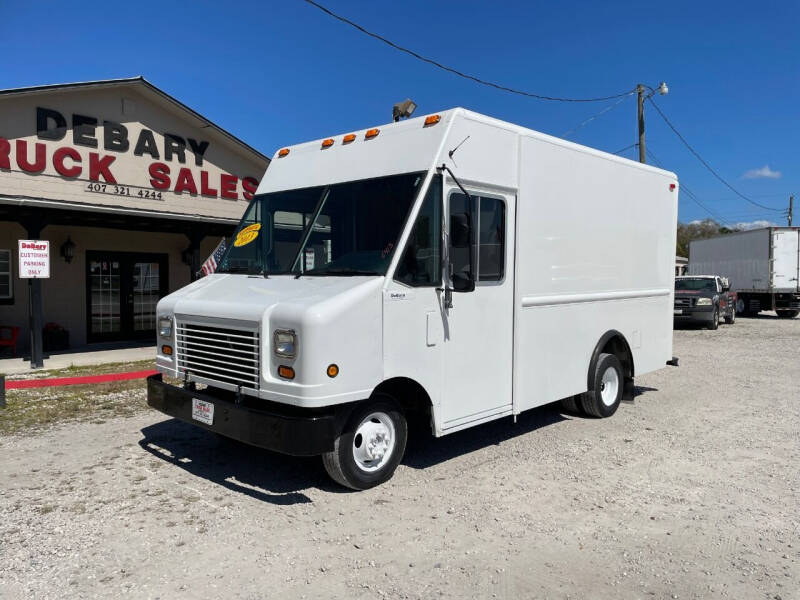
(704, 299)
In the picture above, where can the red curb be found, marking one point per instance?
(59, 381)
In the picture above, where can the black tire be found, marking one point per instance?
(341, 463)
(731, 318)
(592, 401)
(788, 314)
(573, 405)
(714, 319)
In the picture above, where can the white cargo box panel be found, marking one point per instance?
(785, 259)
(758, 260)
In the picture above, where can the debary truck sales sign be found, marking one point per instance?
(34, 259)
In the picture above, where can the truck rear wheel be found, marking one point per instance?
(573, 405)
(603, 400)
(368, 450)
(788, 314)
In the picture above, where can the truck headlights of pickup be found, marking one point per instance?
(703, 302)
(284, 343)
(165, 327)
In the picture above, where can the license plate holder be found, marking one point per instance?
(203, 411)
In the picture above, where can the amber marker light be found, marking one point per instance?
(432, 120)
(286, 372)
(333, 370)
(327, 143)
(283, 152)
(371, 133)
(166, 350)
(350, 137)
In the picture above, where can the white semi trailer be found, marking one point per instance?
(454, 266)
(761, 265)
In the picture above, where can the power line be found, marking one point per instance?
(705, 164)
(625, 148)
(456, 71)
(600, 114)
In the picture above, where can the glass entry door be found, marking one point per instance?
(122, 290)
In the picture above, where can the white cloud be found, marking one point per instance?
(763, 173)
(745, 225)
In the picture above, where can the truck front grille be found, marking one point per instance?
(224, 354)
(683, 302)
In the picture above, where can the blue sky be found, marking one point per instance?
(276, 73)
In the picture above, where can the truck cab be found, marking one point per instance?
(704, 299)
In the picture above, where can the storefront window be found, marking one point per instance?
(6, 289)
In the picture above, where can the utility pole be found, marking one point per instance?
(642, 148)
(789, 216)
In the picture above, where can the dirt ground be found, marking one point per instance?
(692, 491)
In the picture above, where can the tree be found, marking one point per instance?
(697, 230)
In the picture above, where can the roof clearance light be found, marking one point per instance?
(350, 137)
(432, 120)
(327, 143)
(371, 133)
(283, 152)
(671, 187)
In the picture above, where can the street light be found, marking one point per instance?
(663, 90)
(404, 109)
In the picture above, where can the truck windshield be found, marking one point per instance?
(695, 285)
(340, 229)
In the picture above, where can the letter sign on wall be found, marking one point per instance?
(34, 259)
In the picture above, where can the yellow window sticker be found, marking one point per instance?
(247, 235)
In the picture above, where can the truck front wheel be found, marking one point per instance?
(368, 450)
(714, 323)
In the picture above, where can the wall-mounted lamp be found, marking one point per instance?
(68, 250)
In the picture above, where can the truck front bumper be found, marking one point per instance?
(704, 314)
(287, 431)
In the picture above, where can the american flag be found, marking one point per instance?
(213, 261)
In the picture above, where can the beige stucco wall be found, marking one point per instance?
(64, 294)
(136, 108)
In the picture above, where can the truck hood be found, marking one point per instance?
(248, 298)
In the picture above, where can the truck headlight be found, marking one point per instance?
(284, 343)
(703, 302)
(165, 327)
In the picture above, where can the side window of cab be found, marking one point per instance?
(421, 262)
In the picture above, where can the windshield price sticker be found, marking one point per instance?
(34, 259)
(247, 235)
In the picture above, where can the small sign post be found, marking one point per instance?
(34, 265)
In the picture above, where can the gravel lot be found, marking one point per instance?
(692, 491)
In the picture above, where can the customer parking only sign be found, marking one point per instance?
(34, 259)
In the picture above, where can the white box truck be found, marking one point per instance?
(454, 266)
(761, 265)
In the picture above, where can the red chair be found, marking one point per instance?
(8, 337)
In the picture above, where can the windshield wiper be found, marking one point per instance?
(246, 270)
(340, 271)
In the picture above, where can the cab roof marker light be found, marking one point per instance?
(327, 143)
(283, 152)
(432, 120)
(350, 137)
(371, 133)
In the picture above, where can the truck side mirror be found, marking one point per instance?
(460, 230)
(461, 238)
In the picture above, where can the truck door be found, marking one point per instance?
(785, 257)
(478, 336)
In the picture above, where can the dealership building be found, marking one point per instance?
(132, 189)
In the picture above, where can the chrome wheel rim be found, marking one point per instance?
(609, 386)
(374, 442)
